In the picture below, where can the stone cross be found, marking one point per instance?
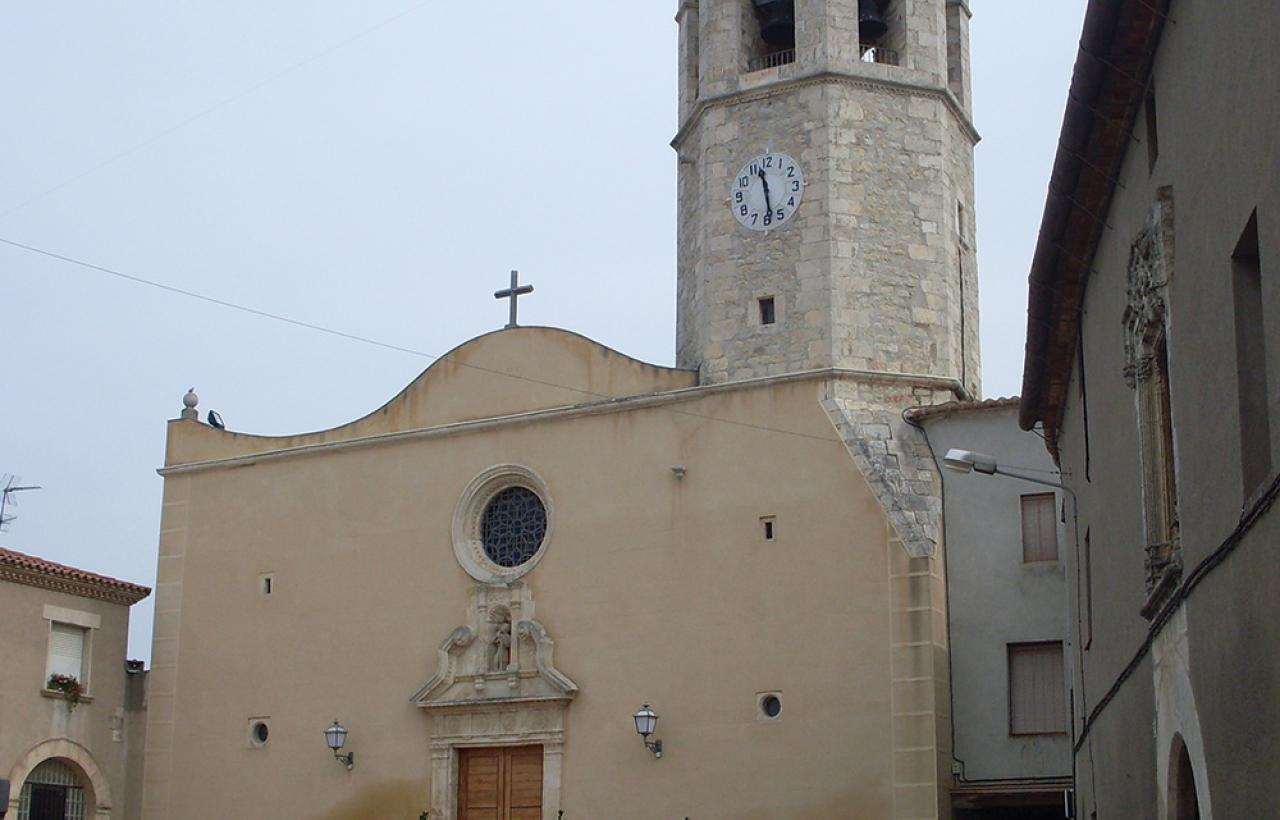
(513, 293)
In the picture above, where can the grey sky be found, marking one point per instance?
(377, 168)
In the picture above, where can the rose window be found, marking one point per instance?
(513, 526)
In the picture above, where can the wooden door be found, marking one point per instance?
(500, 784)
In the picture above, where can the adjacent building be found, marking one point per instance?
(1007, 612)
(1151, 371)
(72, 723)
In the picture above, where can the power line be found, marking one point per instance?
(290, 69)
(377, 343)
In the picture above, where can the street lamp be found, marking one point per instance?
(336, 737)
(646, 721)
(965, 461)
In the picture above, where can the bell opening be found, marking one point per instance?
(871, 23)
(777, 19)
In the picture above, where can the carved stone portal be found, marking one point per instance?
(495, 685)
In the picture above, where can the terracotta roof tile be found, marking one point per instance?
(28, 569)
(946, 409)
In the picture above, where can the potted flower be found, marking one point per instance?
(70, 688)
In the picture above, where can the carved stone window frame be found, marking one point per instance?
(468, 546)
(1146, 371)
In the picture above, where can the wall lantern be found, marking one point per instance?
(646, 721)
(336, 737)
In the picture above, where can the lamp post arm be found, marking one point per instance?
(1023, 477)
(1057, 485)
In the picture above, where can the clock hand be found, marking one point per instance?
(764, 181)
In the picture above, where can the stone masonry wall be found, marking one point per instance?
(867, 274)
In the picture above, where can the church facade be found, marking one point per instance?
(484, 587)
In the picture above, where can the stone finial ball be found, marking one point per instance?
(191, 399)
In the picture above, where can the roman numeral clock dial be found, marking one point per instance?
(767, 191)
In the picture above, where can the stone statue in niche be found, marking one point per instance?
(500, 659)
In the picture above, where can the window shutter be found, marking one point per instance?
(66, 651)
(1037, 683)
(1039, 528)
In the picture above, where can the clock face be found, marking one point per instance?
(767, 191)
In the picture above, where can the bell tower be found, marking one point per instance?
(873, 268)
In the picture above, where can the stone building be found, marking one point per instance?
(477, 586)
(1151, 371)
(1007, 615)
(68, 751)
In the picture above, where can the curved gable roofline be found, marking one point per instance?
(504, 372)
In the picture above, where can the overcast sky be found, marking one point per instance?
(376, 168)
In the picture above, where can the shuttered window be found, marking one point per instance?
(1037, 689)
(66, 651)
(1039, 528)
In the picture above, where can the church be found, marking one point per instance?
(550, 581)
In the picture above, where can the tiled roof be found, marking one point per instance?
(1108, 89)
(37, 572)
(936, 410)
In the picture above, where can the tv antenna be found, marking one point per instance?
(11, 486)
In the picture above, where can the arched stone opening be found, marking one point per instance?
(1184, 803)
(74, 758)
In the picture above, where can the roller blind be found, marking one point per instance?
(66, 651)
(1039, 528)
(1037, 689)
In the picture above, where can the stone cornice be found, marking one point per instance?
(600, 407)
(903, 88)
(81, 588)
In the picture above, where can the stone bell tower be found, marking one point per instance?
(875, 269)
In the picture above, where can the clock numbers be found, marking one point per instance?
(767, 192)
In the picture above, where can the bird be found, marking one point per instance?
(215, 420)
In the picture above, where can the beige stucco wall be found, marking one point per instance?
(655, 589)
(35, 727)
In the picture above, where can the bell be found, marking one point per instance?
(777, 20)
(871, 24)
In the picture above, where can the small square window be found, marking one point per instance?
(767, 314)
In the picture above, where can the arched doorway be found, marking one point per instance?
(1184, 804)
(53, 791)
